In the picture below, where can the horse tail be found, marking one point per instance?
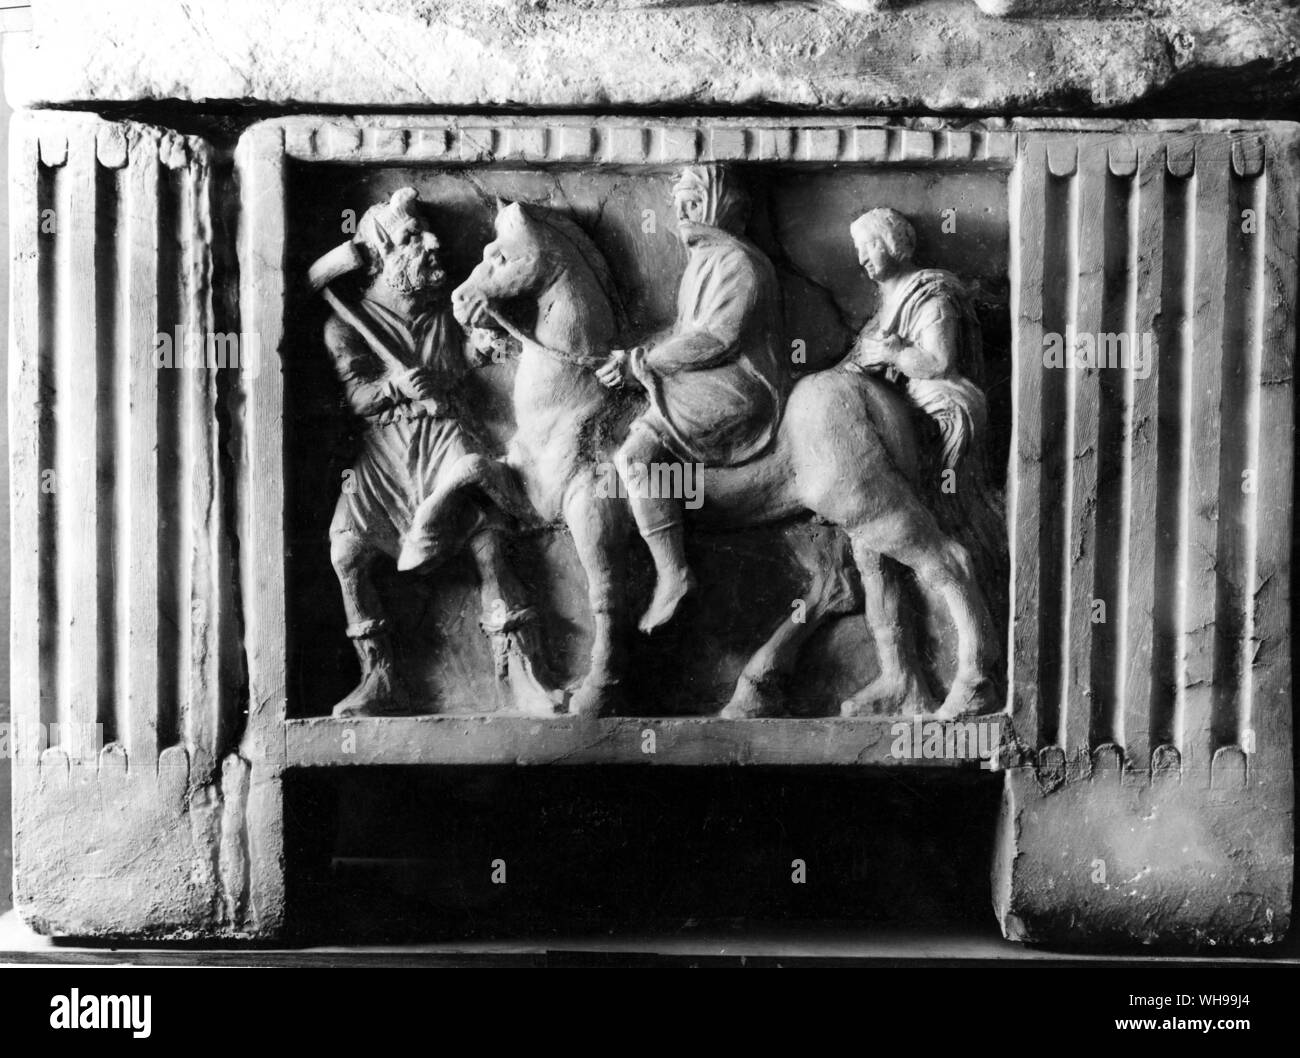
(967, 507)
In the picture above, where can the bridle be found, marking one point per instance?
(581, 360)
(573, 359)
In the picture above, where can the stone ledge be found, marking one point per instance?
(446, 740)
(941, 55)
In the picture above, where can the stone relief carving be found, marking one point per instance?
(610, 434)
(925, 337)
(400, 355)
(1127, 485)
(714, 383)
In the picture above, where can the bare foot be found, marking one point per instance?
(669, 592)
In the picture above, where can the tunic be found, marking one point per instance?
(407, 445)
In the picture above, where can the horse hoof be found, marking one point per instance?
(595, 699)
(750, 701)
(968, 698)
(533, 700)
(417, 555)
(890, 698)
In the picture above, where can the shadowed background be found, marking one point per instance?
(749, 580)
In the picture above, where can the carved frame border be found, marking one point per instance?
(468, 140)
(557, 140)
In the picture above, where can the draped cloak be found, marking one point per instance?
(954, 400)
(715, 383)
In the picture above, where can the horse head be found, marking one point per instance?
(516, 263)
(547, 258)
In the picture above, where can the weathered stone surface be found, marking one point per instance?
(466, 740)
(1149, 788)
(943, 55)
(6, 837)
(129, 790)
(1152, 511)
(102, 849)
(1174, 861)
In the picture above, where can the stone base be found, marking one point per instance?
(85, 869)
(1103, 861)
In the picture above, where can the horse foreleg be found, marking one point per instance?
(599, 529)
(899, 689)
(758, 690)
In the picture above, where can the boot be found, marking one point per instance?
(659, 522)
(519, 660)
(381, 692)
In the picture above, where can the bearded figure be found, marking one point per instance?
(400, 356)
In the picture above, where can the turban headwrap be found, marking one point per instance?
(726, 205)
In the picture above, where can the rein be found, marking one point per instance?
(573, 359)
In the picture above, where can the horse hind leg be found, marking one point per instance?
(758, 690)
(900, 687)
(974, 687)
(944, 566)
(905, 531)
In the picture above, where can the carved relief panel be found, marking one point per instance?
(761, 436)
(768, 571)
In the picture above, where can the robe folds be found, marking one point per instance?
(407, 446)
(716, 384)
(951, 394)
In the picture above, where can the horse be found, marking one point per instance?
(844, 453)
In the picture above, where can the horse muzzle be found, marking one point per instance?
(469, 306)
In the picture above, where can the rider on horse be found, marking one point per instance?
(925, 338)
(715, 380)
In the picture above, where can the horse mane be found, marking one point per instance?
(572, 233)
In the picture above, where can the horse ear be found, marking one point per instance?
(510, 217)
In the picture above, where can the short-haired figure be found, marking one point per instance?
(925, 337)
(714, 380)
(400, 355)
